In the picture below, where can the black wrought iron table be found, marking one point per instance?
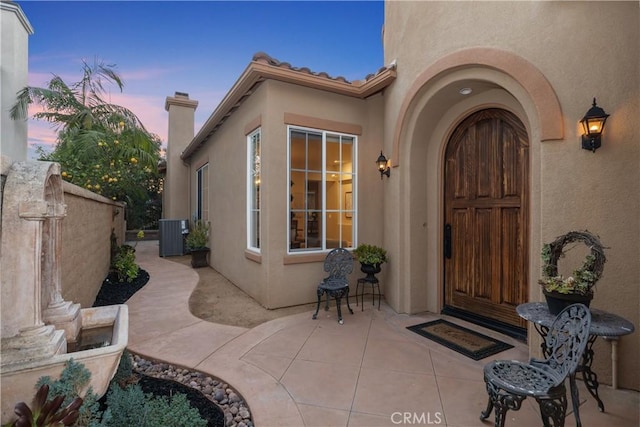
(603, 324)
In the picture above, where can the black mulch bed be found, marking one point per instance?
(113, 292)
(209, 411)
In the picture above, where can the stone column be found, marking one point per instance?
(64, 315)
(34, 340)
(25, 337)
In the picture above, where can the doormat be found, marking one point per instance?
(465, 341)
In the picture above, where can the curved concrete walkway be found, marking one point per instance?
(295, 371)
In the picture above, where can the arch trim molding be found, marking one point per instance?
(522, 71)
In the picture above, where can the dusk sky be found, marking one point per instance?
(199, 47)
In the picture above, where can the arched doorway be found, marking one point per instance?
(486, 192)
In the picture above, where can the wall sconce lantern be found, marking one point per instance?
(593, 125)
(383, 166)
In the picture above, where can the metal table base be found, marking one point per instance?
(603, 324)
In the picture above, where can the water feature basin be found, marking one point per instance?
(18, 380)
(90, 338)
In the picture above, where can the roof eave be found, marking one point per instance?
(257, 72)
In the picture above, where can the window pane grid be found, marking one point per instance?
(254, 180)
(321, 213)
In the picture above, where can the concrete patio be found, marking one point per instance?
(371, 371)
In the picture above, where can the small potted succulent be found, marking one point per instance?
(370, 258)
(197, 241)
(562, 291)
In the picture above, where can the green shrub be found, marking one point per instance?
(131, 406)
(198, 237)
(125, 407)
(73, 380)
(174, 411)
(370, 254)
(124, 263)
(128, 406)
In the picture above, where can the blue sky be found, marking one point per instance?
(198, 47)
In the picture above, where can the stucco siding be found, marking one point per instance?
(14, 47)
(278, 279)
(583, 50)
(86, 249)
(225, 152)
(293, 284)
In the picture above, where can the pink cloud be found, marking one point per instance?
(40, 79)
(40, 134)
(149, 109)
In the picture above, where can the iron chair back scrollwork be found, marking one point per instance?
(509, 382)
(339, 264)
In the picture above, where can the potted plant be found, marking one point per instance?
(197, 241)
(370, 258)
(579, 287)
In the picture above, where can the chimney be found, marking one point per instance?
(175, 196)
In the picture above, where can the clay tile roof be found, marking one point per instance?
(263, 67)
(262, 57)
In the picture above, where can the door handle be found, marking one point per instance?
(447, 241)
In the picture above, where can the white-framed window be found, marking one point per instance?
(202, 193)
(253, 190)
(322, 192)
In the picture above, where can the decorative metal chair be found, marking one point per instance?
(338, 263)
(509, 382)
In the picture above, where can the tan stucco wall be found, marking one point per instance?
(86, 244)
(226, 154)
(583, 50)
(277, 279)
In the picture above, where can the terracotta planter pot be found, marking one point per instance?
(557, 301)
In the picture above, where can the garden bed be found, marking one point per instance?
(113, 292)
(208, 410)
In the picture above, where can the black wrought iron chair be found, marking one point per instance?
(509, 382)
(339, 264)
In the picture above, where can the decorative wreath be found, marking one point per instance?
(583, 278)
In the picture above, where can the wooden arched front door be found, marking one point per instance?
(486, 217)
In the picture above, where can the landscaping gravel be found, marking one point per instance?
(236, 411)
